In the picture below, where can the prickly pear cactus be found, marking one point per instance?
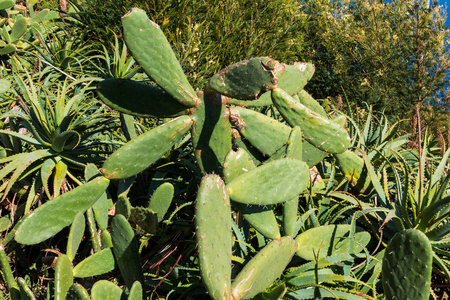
(270, 168)
(407, 266)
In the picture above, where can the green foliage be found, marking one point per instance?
(234, 174)
(367, 49)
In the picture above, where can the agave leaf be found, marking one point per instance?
(58, 179)
(325, 293)
(24, 164)
(46, 171)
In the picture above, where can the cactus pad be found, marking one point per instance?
(262, 218)
(139, 99)
(272, 183)
(153, 53)
(161, 199)
(97, 264)
(295, 77)
(136, 155)
(257, 74)
(407, 266)
(126, 250)
(262, 270)
(258, 129)
(319, 131)
(327, 240)
(354, 169)
(38, 227)
(211, 133)
(106, 290)
(213, 221)
(63, 277)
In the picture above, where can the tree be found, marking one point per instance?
(391, 54)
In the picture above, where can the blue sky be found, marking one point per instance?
(445, 3)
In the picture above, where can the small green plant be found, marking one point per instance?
(61, 132)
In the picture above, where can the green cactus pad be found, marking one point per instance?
(262, 218)
(139, 99)
(136, 292)
(105, 238)
(263, 100)
(292, 81)
(146, 218)
(126, 250)
(272, 183)
(263, 269)
(25, 292)
(128, 127)
(101, 206)
(4, 85)
(248, 79)
(213, 222)
(407, 266)
(295, 77)
(211, 133)
(307, 100)
(63, 277)
(78, 292)
(19, 28)
(136, 155)
(5, 4)
(258, 129)
(106, 290)
(354, 169)
(98, 263)
(237, 163)
(75, 235)
(9, 48)
(311, 155)
(341, 120)
(123, 205)
(323, 241)
(295, 144)
(290, 215)
(241, 142)
(161, 199)
(38, 227)
(319, 131)
(153, 53)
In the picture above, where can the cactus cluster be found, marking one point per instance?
(249, 161)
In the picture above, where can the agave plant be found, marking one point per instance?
(61, 50)
(117, 65)
(56, 130)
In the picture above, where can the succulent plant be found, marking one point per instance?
(407, 266)
(214, 118)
